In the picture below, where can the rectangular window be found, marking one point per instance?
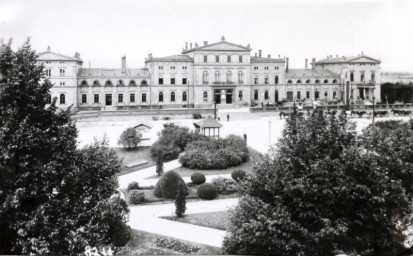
(298, 95)
(160, 67)
(240, 59)
(183, 80)
(120, 97)
(317, 95)
(172, 80)
(216, 58)
(84, 98)
(229, 59)
(307, 94)
(160, 80)
(62, 83)
(96, 98)
(266, 68)
(255, 68)
(205, 58)
(325, 94)
(172, 67)
(184, 67)
(62, 72)
(334, 94)
(143, 97)
(132, 97)
(48, 72)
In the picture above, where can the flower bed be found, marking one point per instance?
(175, 245)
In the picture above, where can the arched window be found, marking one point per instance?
(256, 79)
(326, 81)
(276, 80)
(49, 99)
(184, 96)
(266, 80)
(351, 76)
(120, 83)
(334, 81)
(240, 77)
(317, 81)
(298, 81)
(307, 81)
(96, 83)
(160, 80)
(205, 96)
(173, 96)
(205, 77)
(256, 95)
(132, 83)
(266, 95)
(108, 83)
(229, 76)
(373, 77)
(217, 76)
(276, 96)
(240, 95)
(160, 97)
(62, 99)
(289, 82)
(83, 83)
(144, 82)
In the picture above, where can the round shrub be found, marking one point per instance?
(120, 233)
(207, 191)
(136, 197)
(225, 186)
(133, 185)
(198, 178)
(238, 175)
(167, 185)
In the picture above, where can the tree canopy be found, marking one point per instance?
(319, 192)
(54, 198)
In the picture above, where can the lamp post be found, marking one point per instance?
(373, 107)
(215, 110)
(269, 133)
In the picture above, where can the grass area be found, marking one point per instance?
(217, 220)
(247, 167)
(130, 156)
(141, 244)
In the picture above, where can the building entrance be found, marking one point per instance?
(223, 96)
(217, 96)
(108, 99)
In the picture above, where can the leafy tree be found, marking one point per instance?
(180, 201)
(317, 193)
(130, 138)
(54, 198)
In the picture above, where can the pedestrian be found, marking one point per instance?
(227, 117)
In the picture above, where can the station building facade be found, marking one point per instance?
(223, 73)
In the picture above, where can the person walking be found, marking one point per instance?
(227, 117)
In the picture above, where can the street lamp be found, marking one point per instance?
(373, 107)
(269, 133)
(215, 110)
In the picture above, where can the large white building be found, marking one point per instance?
(221, 72)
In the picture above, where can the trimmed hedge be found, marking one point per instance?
(136, 196)
(238, 175)
(133, 185)
(215, 153)
(167, 186)
(120, 233)
(225, 186)
(198, 178)
(207, 191)
(175, 245)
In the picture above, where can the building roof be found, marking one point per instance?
(343, 59)
(113, 72)
(51, 55)
(219, 46)
(172, 58)
(208, 122)
(265, 60)
(307, 73)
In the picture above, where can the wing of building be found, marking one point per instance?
(221, 73)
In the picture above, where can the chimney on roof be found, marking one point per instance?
(306, 63)
(190, 45)
(269, 56)
(313, 64)
(255, 55)
(205, 43)
(259, 53)
(286, 65)
(77, 55)
(186, 45)
(123, 64)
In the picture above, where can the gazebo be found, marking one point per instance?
(209, 127)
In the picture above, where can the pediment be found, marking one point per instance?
(364, 59)
(220, 46)
(54, 56)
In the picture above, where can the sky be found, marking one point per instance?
(102, 31)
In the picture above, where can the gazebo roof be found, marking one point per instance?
(209, 122)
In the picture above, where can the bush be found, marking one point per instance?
(207, 191)
(176, 245)
(198, 178)
(167, 186)
(136, 197)
(120, 233)
(180, 202)
(133, 186)
(215, 154)
(225, 186)
(130, 138)
(167, 152)
(238, 175)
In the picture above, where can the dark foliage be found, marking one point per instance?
(225, 186)
(120, 233)
(198, 178)
(133, 185)
(180, 202)
(207, 191)
(238, 175)
(130, 138)
(136, 196)
(168, 185)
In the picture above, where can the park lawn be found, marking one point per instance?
(130, 156)
(141, 244)
(247, 167)
(218, 220)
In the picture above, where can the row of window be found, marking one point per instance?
(290, 95)
(362, 76)
(109, 83)
(62, 99)
(48, 72)
(217, 58)
(172, 80)
(267, 68)
(173, 67)
(309, 81)
(132, 97)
